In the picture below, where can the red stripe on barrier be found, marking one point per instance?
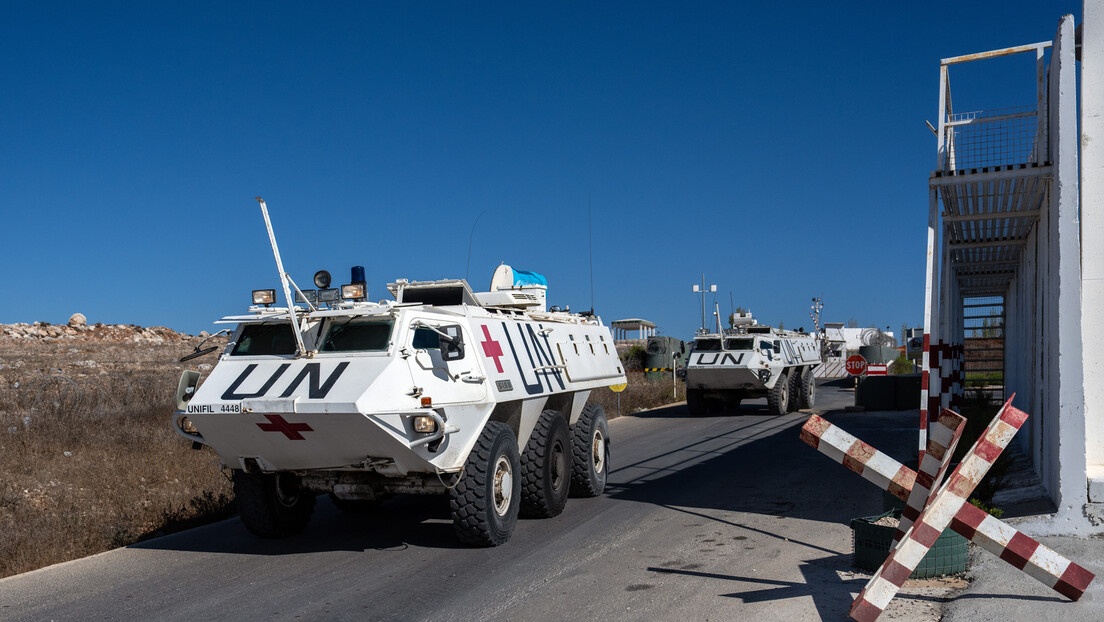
(1018, 550)
(1075, 580)
(967, 520)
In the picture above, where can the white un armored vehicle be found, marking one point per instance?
(482, 396)
(749, 361)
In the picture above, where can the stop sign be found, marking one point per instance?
(856, 365)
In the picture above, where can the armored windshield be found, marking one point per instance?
(357, 335)
(265, 340)
(739, 344)
(707, 345)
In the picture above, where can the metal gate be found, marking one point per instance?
(983, 347)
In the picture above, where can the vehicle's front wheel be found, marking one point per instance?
(485, 502)
(778, 398)
(695, 402)
(590, 452)
(546, 467)
(272, 505)
(733, 399)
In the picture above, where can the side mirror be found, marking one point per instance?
(777, 347)
(452, 345)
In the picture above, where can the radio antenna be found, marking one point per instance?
(468, 266)
(590, 244)
(284, 278)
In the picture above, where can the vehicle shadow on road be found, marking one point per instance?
(767, 469)
(399, 523)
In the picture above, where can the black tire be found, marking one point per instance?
(272, 505)
(546, 467)
(795, 388)
(590, 452)
(695, 403)
(485, 503)
(778, 398)
(733, 399)
(808, 389)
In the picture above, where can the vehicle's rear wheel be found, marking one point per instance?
(778, 398)
(795, 388)
(272, 505)
(808, 389)
(546, 467)
(590, 452)
(695, 403)
(485, 502)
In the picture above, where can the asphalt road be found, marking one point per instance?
(705, 518)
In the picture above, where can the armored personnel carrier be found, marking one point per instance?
(748, 361)
(478, 395)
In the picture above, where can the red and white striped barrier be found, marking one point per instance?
(945, 433)
(991, 534)
(936, 516)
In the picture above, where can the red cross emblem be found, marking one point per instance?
(276, 423)
(491, 348)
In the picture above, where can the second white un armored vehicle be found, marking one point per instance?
(482, 396)
(748, 361)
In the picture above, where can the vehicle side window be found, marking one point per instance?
(426, 339)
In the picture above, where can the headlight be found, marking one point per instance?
(425, 424)
(354, 291)
(264, 296)
(764, 376)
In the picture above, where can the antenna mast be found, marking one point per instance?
(283, 281)
(815, 314)
(590, 244)
(701, 290)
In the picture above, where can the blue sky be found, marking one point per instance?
(778, 148)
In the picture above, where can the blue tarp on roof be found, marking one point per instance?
(524, 277)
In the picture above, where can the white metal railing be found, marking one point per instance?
(991, 138)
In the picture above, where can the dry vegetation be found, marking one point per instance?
(88, 460)
(641, 394)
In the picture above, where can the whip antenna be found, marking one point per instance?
(468, 266)
(590, 244)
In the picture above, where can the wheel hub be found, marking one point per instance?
(503, 485)
(598, 451)
(558, 465)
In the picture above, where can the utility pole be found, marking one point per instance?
(701, 291)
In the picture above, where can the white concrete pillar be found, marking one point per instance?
(1092, 239)
(1064, 434)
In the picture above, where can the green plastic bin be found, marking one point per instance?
(872, 542)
